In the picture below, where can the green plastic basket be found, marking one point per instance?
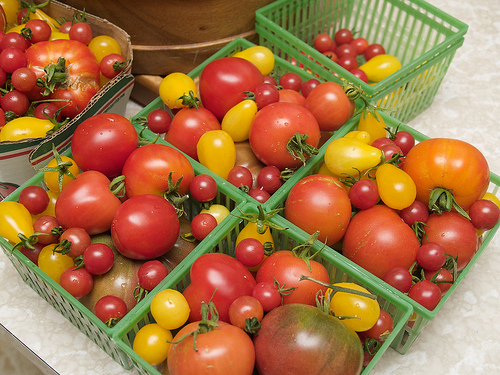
(71, 308)
(339, 271)
(421, 315)
(423, 38)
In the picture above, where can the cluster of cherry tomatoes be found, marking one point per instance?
(344, 49)
(35, 79)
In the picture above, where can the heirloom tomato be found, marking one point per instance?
(78, 71)
(224, 81)
(145, 216)
(147, 170)
(378, 240)
(319, 203)
(187, 127)
(219, 278)
(103, 143)
(217, 152)
(87, 202)
(281, 125)
(450, 164)
(330, 105)
(301, 339)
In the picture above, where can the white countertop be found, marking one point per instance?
(463, 339)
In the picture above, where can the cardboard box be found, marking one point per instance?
(16, 164)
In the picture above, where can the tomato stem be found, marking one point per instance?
(336, 288)
(442, 200)
(299, 148)
(62, 167)
(261, 219)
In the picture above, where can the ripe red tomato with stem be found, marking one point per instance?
(74, 241)
(48, 229)
(431, 256)
(443, 278)
(111, 65)
(399, 278)
(281, 124)
(268, 293)
(110, 309)
(246, 312)
(264, 94)
(77, 281)
(426, 294)
(241, 177)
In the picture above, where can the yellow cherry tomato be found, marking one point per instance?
(14, 219)
(217, 152)
(54, 263)
(237, 120)
(11, 8)
(175, 85)
(396, 188)
(360, 312)
(380, 67)
(262, 57)
(152, 343)
(51, 178)
(373, 125)
(103, 45)
(170, 309)
(25, 127)
(219, 211)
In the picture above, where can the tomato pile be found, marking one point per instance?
(367, 61)
(50, 70)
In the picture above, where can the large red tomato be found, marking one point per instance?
(88, 203)
(378, 240)
(301, 339)
(455, 233)
(187, 127)
(330, 105)
(274, 126)
(224, 81)
(319, 203)
(451, 164)
(103, 143)
(78, 75)
(287, 268)
(147, 170)
(145, 227)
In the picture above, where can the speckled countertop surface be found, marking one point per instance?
(463, 339)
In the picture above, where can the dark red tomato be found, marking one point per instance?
(148, 167)
(23, 79)
(443, 278)
(43, 110)
(265, 94)
(273, 127)
(360, 74)
(373, 50)
(330, 105)
(360, 45)
(364, 194)
(88, 203)
(203, 188)
(218, 275)
(382, 328)
(250, 252)
(12, 59)
(65, 26)
(308, 85)
(78, 239)
(342, 36)
(223, 83)
(319, 203)
(269, 178)
(111, 65)
(243, 308)
(82, 73)
(415, 212)
(202, 224)
(399, 278)
(159, 121)
(81, 31)
(44, 225)
(240, 176)
(15, 101)
(323, 42)
(287, 268)
(14, 40)
(225, 350)
(151, 273)
(32, 254)
(34, 198)
(292, 96)
(110, 309)
(431, 256)
(484, 214)
(291, 81)
(40, 30)
(378, 240)
(145, 226)
(405, 140)
(259, 194)
(330, 348)
(77, 281)
(268, 294)
(103, 143)
(98, 258)
(390, 151)
(426, 294)
(187, 127)
(455, 233)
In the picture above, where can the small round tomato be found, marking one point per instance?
(98, 258)
(159, 121)
(151, 273)
(111, 65)
(203, 188)
(308, 85)
(250, 252)
(323, 42)
(45, 226)
(373, 50)
(240, 177)
(170, 309)
(442, 278)
(81, 31)
(110, 309)
(78, 239)
(269, 178)
(431, 256)
(425, 293)
(219, 211)
(399, 278)
(268, 295)
(364, 194)
(243, 308)
(77, 281)
(382, 328)
(342, 36)
(53, 263)
(103, 45)
(484, 214)
(259, 194)
(202, 224)
(34, 198)
(174, 86)
(152, 343)
(415, 212)
(291, 81)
